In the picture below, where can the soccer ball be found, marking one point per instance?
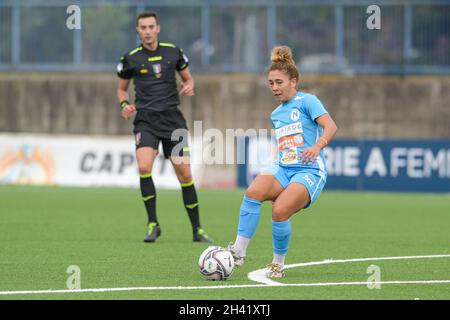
(216, 263)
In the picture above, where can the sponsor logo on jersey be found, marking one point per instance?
(289, 130)
(289, 156)
(290, 142)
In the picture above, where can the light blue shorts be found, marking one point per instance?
(314, 180)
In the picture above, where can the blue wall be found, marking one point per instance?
(384, 165)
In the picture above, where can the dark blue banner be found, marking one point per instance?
(384, 165)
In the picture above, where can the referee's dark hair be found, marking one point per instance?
(147, 14)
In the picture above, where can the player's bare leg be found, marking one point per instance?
(290, 201)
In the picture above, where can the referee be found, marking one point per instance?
(152, 66)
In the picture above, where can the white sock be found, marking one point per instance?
(240, 245)
(278, 259)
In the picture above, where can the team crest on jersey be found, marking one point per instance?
(138, 138)
(295, 115)
(157, 70)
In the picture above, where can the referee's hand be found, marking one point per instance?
(187, 89)
(128, 111)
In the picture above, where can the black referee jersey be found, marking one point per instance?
(154, 74)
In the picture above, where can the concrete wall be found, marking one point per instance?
(363, 106)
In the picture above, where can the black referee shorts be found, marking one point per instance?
(151, 128)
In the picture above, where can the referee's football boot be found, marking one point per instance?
(201, 236)
(238, 259)
(153, 232)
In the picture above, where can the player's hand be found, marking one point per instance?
(128, 111)
(309, 154)
(187, 89)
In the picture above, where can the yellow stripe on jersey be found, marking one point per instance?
(157, 58)
(165, 44)
(135, 50)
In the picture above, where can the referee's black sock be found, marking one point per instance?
(149, 196)
(191, 204)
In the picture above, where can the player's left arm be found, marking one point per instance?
(329, 131)
(187, 86)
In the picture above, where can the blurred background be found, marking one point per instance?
(388, 89)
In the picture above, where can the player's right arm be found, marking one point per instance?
(122, 95)
(125, 73)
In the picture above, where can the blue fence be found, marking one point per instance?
(383, 165)
(231, 35)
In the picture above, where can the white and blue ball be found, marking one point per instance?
(216, 263)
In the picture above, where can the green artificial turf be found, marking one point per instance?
(44, 230)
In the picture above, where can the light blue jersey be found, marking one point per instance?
(296, 130)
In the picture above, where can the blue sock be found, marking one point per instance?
(281, 234)
(249, 217)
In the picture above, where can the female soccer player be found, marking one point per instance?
(303, 128)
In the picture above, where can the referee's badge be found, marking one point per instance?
(295, 115)
(157, 70)
(138, 138)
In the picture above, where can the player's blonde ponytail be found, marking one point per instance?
(282, 54)
(283, 61)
